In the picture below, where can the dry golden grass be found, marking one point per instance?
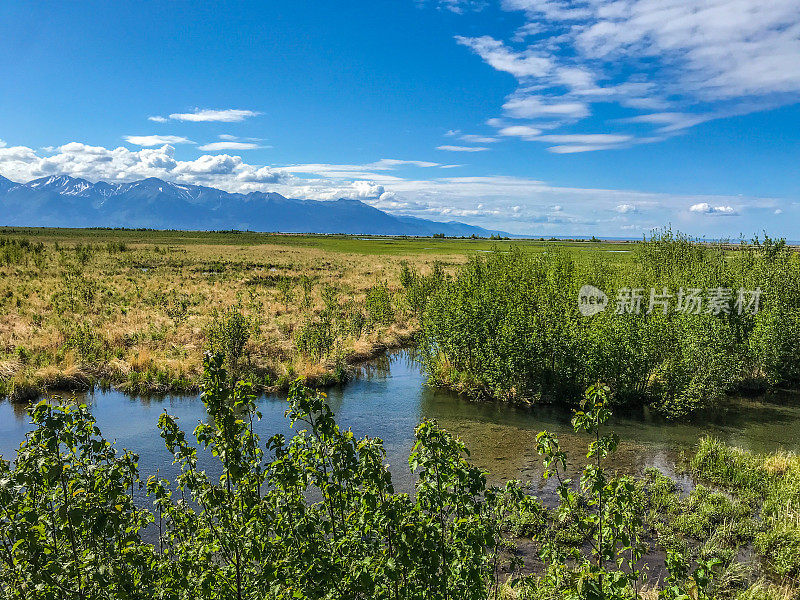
(129, 302)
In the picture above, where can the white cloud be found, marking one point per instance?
(2, 144)
(529, 63)
(669, 121)
(367, 189)
(478, 139)
(215, 146)
(97, 163)
(706, 209)
(521, 131)
(230, 115)
(532, 107)
(228, 137)
(392, 163)
(462, 148)
(586, 138)
(157, 119)
(413, 187)
(254, 174)
(460, 6)
(377, 170)
(683, 61)
(219, 164)
(575, 148)
(156, 140)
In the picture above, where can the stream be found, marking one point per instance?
(389, 397)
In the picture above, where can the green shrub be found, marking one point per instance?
(378, 304)
(509, 325)
(315, 338)
(228, 334)
(90, 345)
(318, 519)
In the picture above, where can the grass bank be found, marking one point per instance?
(136, 309)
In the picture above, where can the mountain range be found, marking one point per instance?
(64, 201)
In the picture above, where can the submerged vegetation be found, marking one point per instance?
(508, 325)
(317, 516)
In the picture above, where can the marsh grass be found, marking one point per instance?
(136, 309)
(742, 519)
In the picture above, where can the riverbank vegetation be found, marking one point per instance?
(496, 318)
(508, 326)
(316, 515)
(136, 309)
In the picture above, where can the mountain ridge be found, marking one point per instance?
(65, 201)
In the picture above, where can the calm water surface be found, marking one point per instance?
(390, 397)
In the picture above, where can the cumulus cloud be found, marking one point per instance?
(97, 163)
(261, 175)
(462, 148)
(706, 209)
(156, 140)
(215, 146)
(415, 188)
(367, 189)
(229, 115)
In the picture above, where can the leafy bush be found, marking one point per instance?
(21, 251)
(508, 325)
(315, 338)
(418, 288)
(70, 525)
(378, 304)
(228, 334)
(319, 519)
(89, 344)
(316, 516)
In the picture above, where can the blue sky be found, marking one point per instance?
(546, 117)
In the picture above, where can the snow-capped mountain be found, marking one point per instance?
(62, 184)
(63, 201)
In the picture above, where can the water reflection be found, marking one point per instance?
(390, 397)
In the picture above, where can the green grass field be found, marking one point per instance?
(365, 244)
